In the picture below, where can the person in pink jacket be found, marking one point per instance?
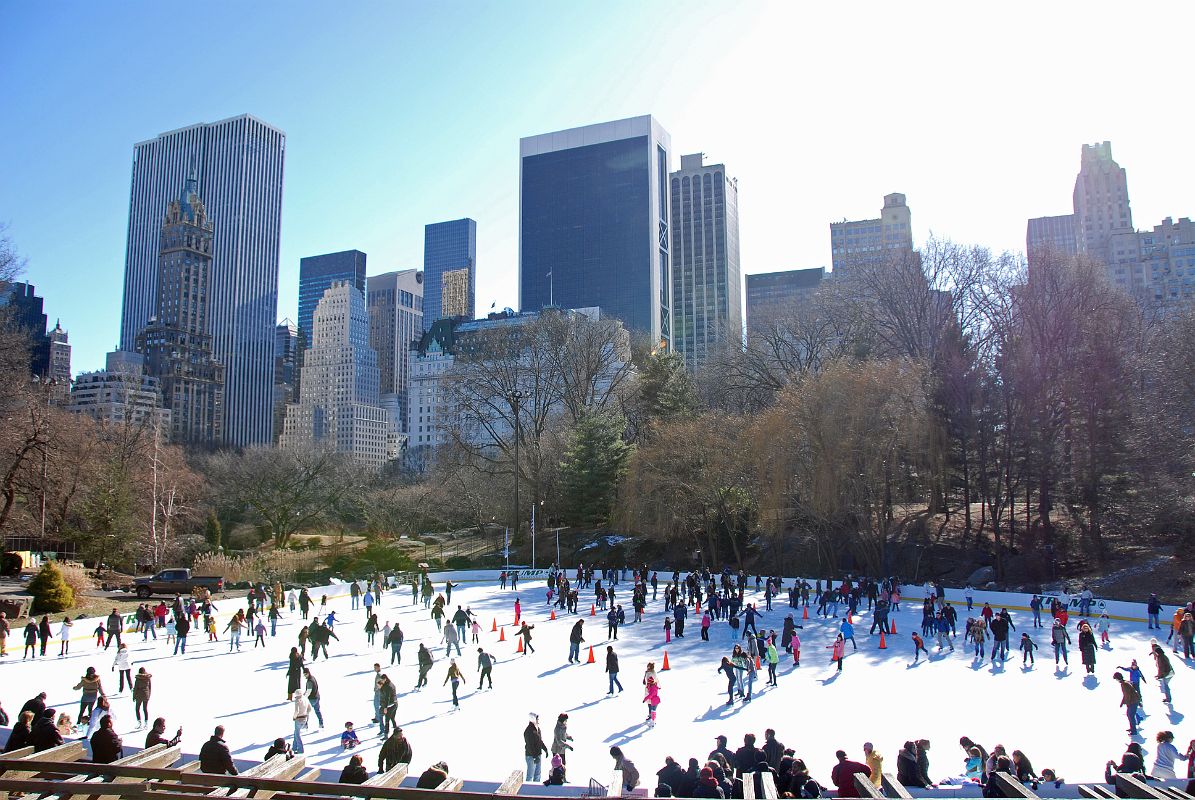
(838, 651)
(796, 646)
(652, 699)
(705, 626)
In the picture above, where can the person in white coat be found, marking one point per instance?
(301, 709)
(64, 636)
(1165, 756)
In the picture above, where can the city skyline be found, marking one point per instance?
(819, 159)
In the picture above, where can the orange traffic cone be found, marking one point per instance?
(758, 666)
(553, 615)
(502, 634)
(592, 610)
(893, 626)
(519, 649)
(665, 666)
(591, 658)
(883, 643)
(805, 613)
(494, 629)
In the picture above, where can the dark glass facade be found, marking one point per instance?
(586, 233)
(447, 247)
(317, 273)
(26, 312)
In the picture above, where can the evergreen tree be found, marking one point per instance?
(593, 467)
(212, 532)
(667, 388)
(50, 591)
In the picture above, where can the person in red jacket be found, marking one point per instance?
(843, 775)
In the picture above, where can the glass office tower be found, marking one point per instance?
(593, 223)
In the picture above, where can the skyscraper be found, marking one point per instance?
(1054, 234)
(395, 303)
(317, 273)
(593, 223)
(286, 356)
(60, 355)
(338, 404)
(1101, 201)
(779, 293)
(449, 270)
(706, 286)
(177, 343)
(865, 243)
(238, 166)
(26, 310)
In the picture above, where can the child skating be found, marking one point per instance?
(652, 698)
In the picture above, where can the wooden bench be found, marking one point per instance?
(769, 786)
(1006, 785)
(866, 788)
(450, 784)
(511, 785)
(1132, 786)
(10, 768)
(893, 788)
(390, 778)
(278, 768)
(616, 788)
(156, 757)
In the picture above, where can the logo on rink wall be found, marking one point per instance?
(1071, 603)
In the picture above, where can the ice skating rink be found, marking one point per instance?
(1061, 719)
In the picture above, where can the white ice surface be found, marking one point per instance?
(1062, 720)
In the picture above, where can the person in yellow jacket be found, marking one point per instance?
(875, 763)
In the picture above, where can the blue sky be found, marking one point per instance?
(398, 114)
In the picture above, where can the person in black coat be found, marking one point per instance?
(44, 733)
(35, 704)
(157, 735)
(106, 746)
(433, 776)
(672, 776)
(215, 757)
(907, 772)
(354, 771)
(19, 736)
(747, 757)
(395, 750)
(294, 673)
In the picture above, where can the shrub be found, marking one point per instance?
(50, 590)
(76, 577)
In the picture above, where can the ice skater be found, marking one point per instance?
(652, 698)
(612, 670)
(1060, 639)
(1027, 648)
(454, 675)
(918, 647)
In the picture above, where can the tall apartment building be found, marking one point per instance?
(395, 304)
(60, 355)
(338, 404)
(1055, 234)
(1101, 201)
(26, 311)
(867, 243)
(238, 166)
(706, 285)
(776, 293)
(177, 342)
(121, 394)
(286, 367)
(449, 270)
(317, 274)
(594, 223)
(1157, 267)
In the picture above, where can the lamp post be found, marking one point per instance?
(515, 397)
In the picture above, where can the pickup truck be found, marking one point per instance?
(176, 581)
